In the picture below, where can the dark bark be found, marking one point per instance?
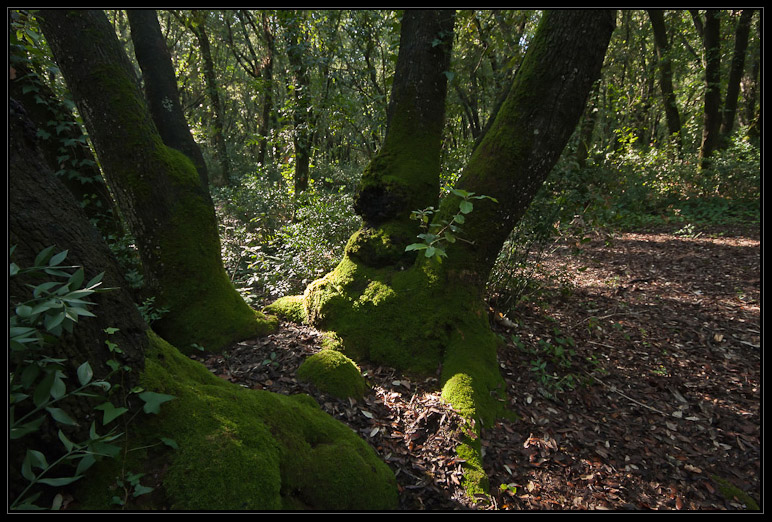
(266, 124)
(65, 147)
(212, 89)
(160, 84)
(42, 213)
(711, 38)
(662, 44)
(156, 187)
(302, 117)
(735, 75)
(404, 176)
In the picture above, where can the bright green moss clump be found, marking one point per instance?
(334, 373)
(244, 449)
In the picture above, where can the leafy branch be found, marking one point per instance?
(437, 234)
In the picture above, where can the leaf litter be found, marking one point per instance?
(664, 395)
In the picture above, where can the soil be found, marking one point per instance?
(635, 373)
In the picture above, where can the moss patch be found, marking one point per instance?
(248, 450)
(334, 373)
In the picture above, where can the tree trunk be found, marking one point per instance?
(42, 213)
(422, 315)
(267, 122)
(302, 119)
(64, 146)
(735, 75)
(405, 174)
(156, 187)
(711, 38)
(161, 87)
(218, 117)
(427, 317)
(672, 115)
(238, 449)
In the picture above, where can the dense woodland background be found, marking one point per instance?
(288, 107)
(269, 81)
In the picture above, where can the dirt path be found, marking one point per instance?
(670, 329)
(637, 389)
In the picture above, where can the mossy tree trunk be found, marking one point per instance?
(420, 315)
(157, 188)
(160, 84)
(237, 449)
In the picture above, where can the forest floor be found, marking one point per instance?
(636, 378)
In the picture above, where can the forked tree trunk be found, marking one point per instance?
(161, 87)
(157, 188)
(416, 314)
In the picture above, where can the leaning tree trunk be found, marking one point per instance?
(426, 317)
(43, 213)
(156, 187)
(161, 87)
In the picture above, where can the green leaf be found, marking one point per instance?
(465, 207)
(51, 322)
(36, 459)
(68, 444)
(60, 416)
(416, 246)
(110, 412)
(85, 373)
(154, 400)
(58, 258)
(139, 489)
(85, 463)
(170, 442)
(58, 388)
(18, 432)
(43, 256)
(63, 481)
(458, 218)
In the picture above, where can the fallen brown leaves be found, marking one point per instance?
(666, 334)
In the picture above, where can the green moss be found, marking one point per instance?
(416, 321)
(289, 308)
(247, 449)
(730, 491)
(204, 307)
(334, 373)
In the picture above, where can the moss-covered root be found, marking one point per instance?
(244, 449)
(290, 308)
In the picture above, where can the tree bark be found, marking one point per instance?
(405, 173)
(42, 213)
(302, 117)
(735, 75)
(711, 38)
(545, 101)
(672, 115)
(212, 88)
(156, 187)
(414, 316)
(161, 87)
